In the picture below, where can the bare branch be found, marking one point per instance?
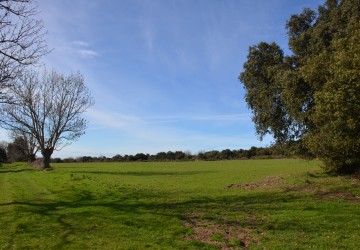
(22, 41)
(48, 107)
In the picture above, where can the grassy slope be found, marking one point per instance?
(178, 206)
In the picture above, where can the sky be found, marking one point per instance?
(163, 73)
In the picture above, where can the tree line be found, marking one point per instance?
(18, 151)
(271, 152)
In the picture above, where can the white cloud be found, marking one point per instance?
(209, 118)
(152, 134)
(79, 46)
(112, 120)
(85, 53)
(117, 120)
(81, 43)
(159, 54)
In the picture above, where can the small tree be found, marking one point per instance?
(15, 151)
(48, 107)
(26, 143)
(22, 40)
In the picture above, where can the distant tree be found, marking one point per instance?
(85, 159)
(200, 156)
(69, 160)
(117, 158)
(48, 108)
(251, 152)
(312, 95)
(179, 155)
(189, 155)
(170, 156)
(161, 156)
(141, 157)
(22, 40)
(3, 152)
(211, 155)
(16, 151)
(26, 143)
(56, 160)
(226, 154)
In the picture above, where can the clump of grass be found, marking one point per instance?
(218, 237)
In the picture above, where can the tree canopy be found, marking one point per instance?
(313, 94)
(47, 108)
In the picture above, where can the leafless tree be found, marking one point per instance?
(22, 40)
(49, 108)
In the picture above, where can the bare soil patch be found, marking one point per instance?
(310, 186)
(226, 235)
(337, 195)
(266, 183)
(38, 163)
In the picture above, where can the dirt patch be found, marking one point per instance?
(266, 183)
(337, 195)
(38, 163)
(225, 235)
(310, 186)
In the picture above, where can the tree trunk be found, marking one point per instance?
(32, 157)
(46, 153)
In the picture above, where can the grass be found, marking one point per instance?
(272, 204)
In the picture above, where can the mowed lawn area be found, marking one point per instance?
(254, 204)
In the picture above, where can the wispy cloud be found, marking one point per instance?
(85, 53)
(113, 120)
(165, 72)
(152, 134)
(149, 36)
(116, 120)
(79, 46)
(208, 118)
(81, 43)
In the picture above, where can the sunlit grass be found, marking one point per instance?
(187, 205)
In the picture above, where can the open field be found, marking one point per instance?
(256, 204)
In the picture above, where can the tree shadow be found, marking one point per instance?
(145, 173)
(16, 170)
(133, 205)
(253, 208)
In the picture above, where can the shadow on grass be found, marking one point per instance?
(3, 171)
(141, 202)
(131, 209)
(146, 173)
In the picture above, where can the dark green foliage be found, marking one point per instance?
(3, 154)
(288, 150)
(313, 94)
(338, 107)
(16, 150)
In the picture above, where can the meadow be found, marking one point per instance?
(253, 204)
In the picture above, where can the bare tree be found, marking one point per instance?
(49, 108)
(22, 40)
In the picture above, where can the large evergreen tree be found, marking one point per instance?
(312, 95)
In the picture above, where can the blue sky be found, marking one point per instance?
(163, 73)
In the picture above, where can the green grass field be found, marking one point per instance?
(255, 204)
